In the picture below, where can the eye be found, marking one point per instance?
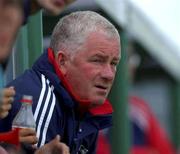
(97, 60)
(114, 63)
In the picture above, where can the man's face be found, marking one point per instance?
(10, 20)
(91, 71)
(54, 6)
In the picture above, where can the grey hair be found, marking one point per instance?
(71, 30)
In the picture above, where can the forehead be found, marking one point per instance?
(99, 42)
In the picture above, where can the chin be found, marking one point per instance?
(53, 12)
(57, 11)
(98, 101)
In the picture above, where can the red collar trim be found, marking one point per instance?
(105, 108)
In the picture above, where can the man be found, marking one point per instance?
(11, 17)
(53, 7)
(70, 82)
(12, 14)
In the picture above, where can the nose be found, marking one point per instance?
(108, 73)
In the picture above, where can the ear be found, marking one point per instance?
(62, 61)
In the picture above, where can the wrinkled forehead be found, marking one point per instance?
(99, 43)
(102, 40)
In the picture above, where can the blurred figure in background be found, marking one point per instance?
(11, 17)
(14, 13)
(148, 137)
(53, 7)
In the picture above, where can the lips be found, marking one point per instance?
(59, 3)
(101, 87)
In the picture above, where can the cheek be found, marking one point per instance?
(85, 75)
(10, 26)
(41, 2)
(80, 76)
(46, 3)
(16, 21)
(14, 16)
(89, 72)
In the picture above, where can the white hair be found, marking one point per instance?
(71, 30)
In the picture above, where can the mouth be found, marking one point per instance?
(101, 88)
(59, 3)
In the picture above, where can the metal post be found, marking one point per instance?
(1, 77)
(176, 113)
(119, 99)
(35, 36)
(21, 52)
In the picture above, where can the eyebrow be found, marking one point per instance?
(100, 55)
(118, 59)
(105, 57)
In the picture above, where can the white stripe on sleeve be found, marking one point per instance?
(43, 112)
(48, 121)
(40, 97)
